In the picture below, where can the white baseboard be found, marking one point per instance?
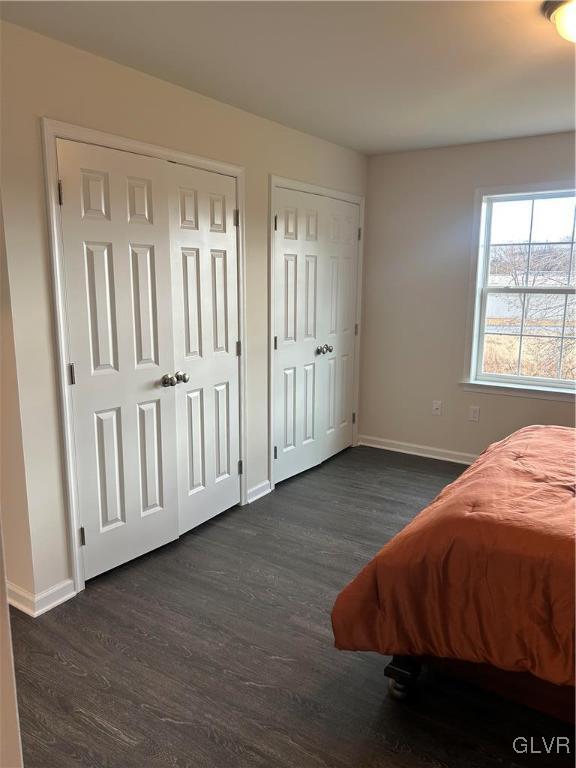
(36, 604)
(258, 491)
(417, 450)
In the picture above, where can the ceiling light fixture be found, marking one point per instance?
(562, 13)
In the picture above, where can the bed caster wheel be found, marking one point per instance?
(402, 673)
(398, 691)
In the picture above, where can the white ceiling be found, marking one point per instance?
(375, 76)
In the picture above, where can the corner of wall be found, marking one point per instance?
(13, 494)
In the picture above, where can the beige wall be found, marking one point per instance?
(10, 749)
(13, 518)
(44, 77)
(13, 499)
(417, 267)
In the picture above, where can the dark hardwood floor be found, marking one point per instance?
(216, 651)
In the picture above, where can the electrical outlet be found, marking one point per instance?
(473, 413)
(437, 407)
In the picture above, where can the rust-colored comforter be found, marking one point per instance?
(486, 572)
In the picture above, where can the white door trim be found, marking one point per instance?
(51, 131)
(280, 182)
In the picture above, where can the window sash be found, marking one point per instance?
(515, 196)
(562, 290)
(537, 381)
(483, 290)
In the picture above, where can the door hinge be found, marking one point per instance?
(236, 217)
(60, 198)
(356, 329)
(275, 342)
(359, 233)
(275, 452)
(240, 467)
(275, 222)
(238, 348)
(353, 418)
(72, 373)
(82, 536)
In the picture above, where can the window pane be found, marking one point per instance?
(569, 360)
(511, 221)
(501, 354)
(549, 265)
(508, 265)
(553, 220)
(544, 315)
(540, 357)
(503, 313)
(570, 327)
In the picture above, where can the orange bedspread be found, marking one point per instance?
(486, 572)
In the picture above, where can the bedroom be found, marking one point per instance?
(386, 233)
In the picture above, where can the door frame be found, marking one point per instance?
(51, 131)
(280, 182)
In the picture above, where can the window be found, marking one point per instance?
(525, 298)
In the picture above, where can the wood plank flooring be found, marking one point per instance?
(217, 652)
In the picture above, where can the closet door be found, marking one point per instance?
(337, 322)
(299, 271)
(205, 293)
(151, 292)
(118, 292)
(315, 266)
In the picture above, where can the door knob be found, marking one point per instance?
(325, 349)
(319, 350)
(330, 348)
(168, 380)
(181, 376)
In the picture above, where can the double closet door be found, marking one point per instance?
(151, 295)
(315, 278)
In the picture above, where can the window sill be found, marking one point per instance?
(518, 390)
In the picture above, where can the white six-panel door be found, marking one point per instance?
(205, 291)
(150, 283)
(315, 269)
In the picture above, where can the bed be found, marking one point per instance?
(483, 576)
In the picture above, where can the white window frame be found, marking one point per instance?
(508, 384)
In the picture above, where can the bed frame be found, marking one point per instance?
(521, 687)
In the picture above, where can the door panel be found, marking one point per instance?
(310, 292)
(205, 289)
(315, 252)
(144, 302)
(118, 294)
(149, 440)
(110, 467)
